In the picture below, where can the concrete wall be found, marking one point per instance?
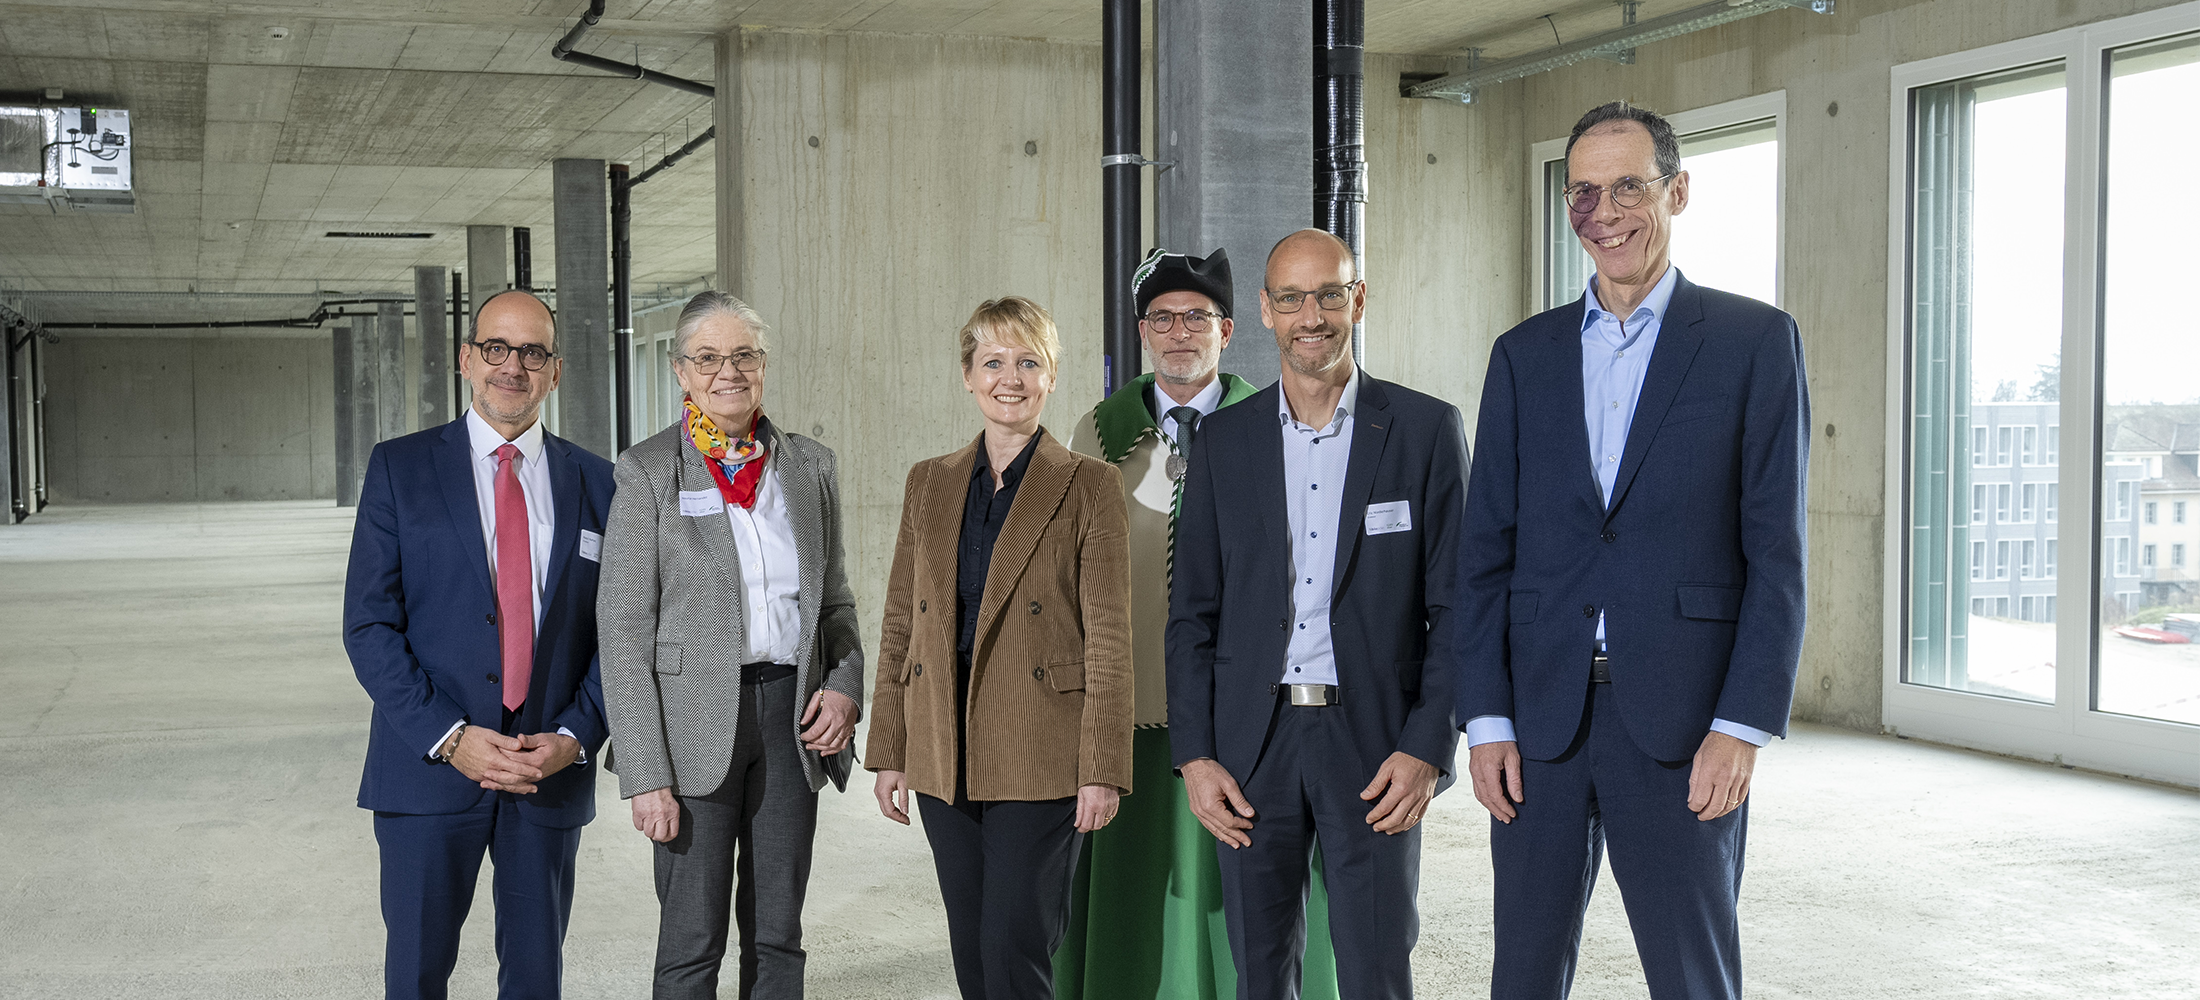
(868, 251)
(1836, 73)
(245, 416)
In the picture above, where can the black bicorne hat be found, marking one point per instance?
(1163, 272)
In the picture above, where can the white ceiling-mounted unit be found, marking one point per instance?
(66, 158)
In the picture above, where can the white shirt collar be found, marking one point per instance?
(1208, 401)
(485, 440)
(1346, 403)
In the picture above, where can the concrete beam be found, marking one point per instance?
(487, 270)
(365, 411)
(726, 118)
(390, 400)
(347, 464)
(580, 198)
(431, 316)
(1234, 112)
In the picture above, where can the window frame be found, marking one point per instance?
(1770, 105)
(2068, 730)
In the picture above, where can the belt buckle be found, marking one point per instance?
(1600, 668)
(1313, 695)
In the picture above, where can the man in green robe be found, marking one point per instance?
(1147, 918)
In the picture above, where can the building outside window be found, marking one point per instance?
(2010, 324)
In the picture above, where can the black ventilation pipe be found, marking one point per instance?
(563, 51)
(523, 259)
(1119, 195)
(1340, 161)
(622, 306)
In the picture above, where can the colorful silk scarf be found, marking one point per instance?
(745, 455)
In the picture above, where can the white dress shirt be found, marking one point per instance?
(533, 468)
(771, 575)
(1314, 461)
(1615, 358)
(1206, 402)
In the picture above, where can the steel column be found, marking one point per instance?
(347, 476)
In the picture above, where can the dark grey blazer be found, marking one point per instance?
(670, 618)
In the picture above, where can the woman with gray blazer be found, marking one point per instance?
(732, 670)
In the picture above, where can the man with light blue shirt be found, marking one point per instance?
(1310, 644)
(1630, 637)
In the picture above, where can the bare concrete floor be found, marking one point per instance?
(183, 737)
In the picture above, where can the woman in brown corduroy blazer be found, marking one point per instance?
(1003, 696)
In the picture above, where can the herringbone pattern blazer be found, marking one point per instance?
(671, 620)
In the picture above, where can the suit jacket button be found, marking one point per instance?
(491, 618)
(1283, 623)
(920, 669)
(1039, 673)
(492, 678)
(920, 607)
(1034, 607)
(1588, 611)
(1611, 536)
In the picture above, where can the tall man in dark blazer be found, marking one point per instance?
(1632, 584)
(470, 617)
(1310, 644)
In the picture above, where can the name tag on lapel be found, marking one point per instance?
(591, 546)
(1384, 518)
(701, 503)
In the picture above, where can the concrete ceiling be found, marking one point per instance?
(262, 126)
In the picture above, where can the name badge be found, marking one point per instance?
(701, 503)
(1384, 518)
(591, 546)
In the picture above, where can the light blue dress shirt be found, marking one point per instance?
(1314, 461)
(1615, 357)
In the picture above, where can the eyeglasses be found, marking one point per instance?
(1331, 297)
(708, 364)
(494, 352)
(1583, 196)
(1195, 320)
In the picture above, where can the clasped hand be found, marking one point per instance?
(1400, 790)
(512, 763)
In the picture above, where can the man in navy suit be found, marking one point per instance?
(470, 618)
(1310, 644)
(1632, 584)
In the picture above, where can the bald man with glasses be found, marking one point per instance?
(470, 620)
(1310, 652)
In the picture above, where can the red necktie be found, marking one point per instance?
(515, 580)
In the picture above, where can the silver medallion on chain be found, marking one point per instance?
(1176, 466)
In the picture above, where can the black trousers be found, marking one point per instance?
(1004, 870)
(1678, 876)
(748, 844)
(1305, 789)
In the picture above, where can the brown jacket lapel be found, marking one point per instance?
(1046, 480)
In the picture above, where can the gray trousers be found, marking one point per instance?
(758, 826)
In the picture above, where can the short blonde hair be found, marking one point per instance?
(1012, 321)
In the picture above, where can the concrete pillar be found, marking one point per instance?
(487, 271)
(365, 419)
(726, 117)
(1234, 110)
(347, 474)
(390, 400)
(580, 203)
(431, 316)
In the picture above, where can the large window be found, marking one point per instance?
(1729, 235)
(2028, 274)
